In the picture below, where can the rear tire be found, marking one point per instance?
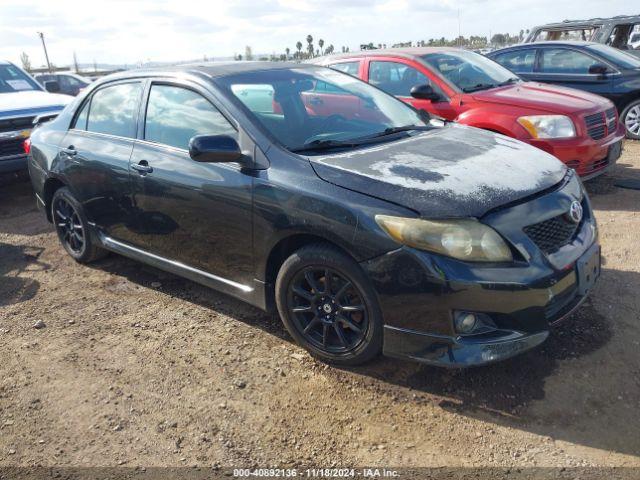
(337, 320)
(72, 227)
(630, 118)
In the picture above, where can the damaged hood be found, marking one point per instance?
(454, 171)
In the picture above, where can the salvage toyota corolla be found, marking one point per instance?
(368, 226)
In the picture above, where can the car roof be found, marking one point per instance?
(591, 22)
(553, 43)
(211, 69)
(406, 52)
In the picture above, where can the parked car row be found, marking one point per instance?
(579, 128)
(587, 66)
(22, 101)
(621, 32)
(67, 83)
(368, 226)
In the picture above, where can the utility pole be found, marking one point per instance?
(46, 55)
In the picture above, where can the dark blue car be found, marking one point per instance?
(588, 66)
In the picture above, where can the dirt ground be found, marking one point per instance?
(137, 367)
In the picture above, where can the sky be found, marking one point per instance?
(129, 32)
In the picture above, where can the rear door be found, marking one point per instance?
(96, 150)
(521, 62)
(570, 68)
(196, 213)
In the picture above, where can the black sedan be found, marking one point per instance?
(299, 188)
(588, 66)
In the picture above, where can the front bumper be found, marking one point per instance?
(457, 352)
(419, 292)
(586, 156)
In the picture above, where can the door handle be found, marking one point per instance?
(70, 151)
(142, 167)
(316, 101)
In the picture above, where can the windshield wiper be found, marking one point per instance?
(405, 128)
(509, 81)
(330, 144)
(479, 86)
(323, 145)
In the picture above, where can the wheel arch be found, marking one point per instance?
(51, 185)
(282, 250)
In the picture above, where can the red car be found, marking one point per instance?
(579, 128)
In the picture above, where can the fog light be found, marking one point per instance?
(465, 322)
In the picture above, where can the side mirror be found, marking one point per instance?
(598, 69)
(425, 92)
(52, 86)
(215, 149)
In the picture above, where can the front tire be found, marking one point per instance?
(631, 120)
(328, 305)
(72, 227)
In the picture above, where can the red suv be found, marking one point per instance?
(579, 128)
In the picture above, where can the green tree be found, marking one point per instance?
(299, 47)
(288, 51)
(310, 46)
(26, 62)
(321, 44)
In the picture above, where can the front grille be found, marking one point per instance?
(596, 126)
(553, 234)
(11, 147)
(11, 124)
(600, 124)
(612, 119)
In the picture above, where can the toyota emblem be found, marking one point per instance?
(575, 212)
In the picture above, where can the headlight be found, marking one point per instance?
(548, 126)
(463, 239)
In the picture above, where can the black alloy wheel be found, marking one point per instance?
(329, 305)
(72, 227)
(69, 226)
(328, 310)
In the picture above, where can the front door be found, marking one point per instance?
(198, 214)
(397, 77)
(570, 68)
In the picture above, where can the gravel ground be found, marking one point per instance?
(132, 366)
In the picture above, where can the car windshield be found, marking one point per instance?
(615, 56)
(469, 71)
(316, 107)
(12, 79)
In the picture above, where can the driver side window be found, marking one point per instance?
(396, 78)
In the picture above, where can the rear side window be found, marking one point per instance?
(175, 114)
(520, 61)
(578, 34)
(81, 119)
(114, 110)
(347, 67)
(563, 60)
(396, 78)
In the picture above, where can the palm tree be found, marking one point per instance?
(288, 50)
(310, 45)
(299, 47)
(329, 50)
(321, 44)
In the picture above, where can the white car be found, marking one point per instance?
(22, 100)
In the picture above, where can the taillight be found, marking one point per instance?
(27, 146)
